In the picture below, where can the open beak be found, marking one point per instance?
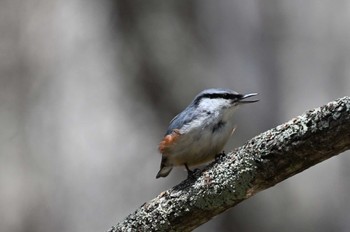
(245, 96)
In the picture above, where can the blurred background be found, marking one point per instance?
(87, 89)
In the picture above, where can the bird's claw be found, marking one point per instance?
(217, 156)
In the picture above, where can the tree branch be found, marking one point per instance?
(262, 162)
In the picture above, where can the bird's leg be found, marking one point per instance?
(190, 173)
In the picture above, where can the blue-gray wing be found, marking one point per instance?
(182, 119)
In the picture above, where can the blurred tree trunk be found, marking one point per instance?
(159, 46)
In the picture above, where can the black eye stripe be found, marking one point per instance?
(221, 95)
(216, 96)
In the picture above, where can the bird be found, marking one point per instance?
(199, 133)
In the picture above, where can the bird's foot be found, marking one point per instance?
(217, 156)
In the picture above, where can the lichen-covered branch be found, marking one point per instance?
(262, 162)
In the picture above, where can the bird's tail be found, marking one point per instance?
(165, 168)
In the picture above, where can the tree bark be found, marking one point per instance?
(262, 162)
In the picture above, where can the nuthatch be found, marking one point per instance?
(197, 134)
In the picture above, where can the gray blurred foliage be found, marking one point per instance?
(87, 89)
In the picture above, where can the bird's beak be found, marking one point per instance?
(241, 100)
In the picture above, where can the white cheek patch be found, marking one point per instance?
(214, 104)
